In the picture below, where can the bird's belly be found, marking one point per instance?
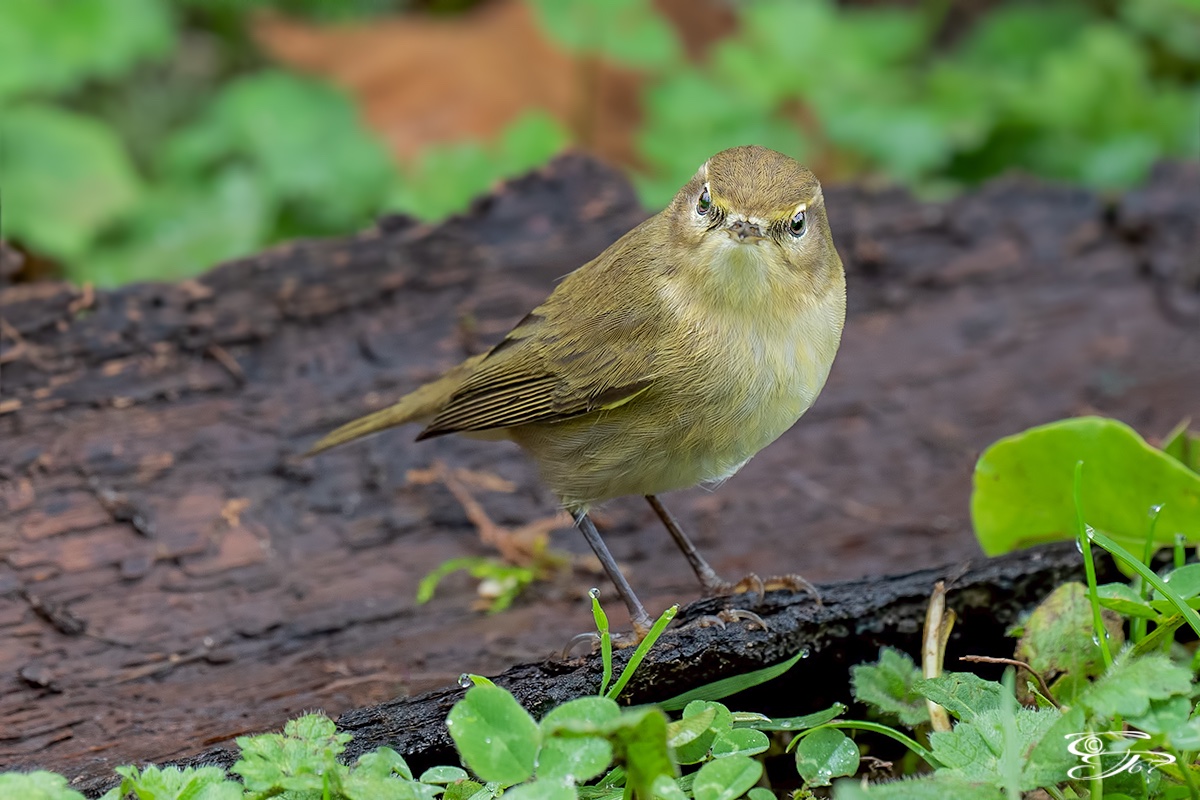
(698, 427)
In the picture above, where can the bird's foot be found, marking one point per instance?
(729, 616)
(752, 584)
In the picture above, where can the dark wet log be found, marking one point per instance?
(855, 619)
(172, 575)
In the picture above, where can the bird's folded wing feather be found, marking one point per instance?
(556, 364)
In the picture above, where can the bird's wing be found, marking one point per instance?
(557, 363)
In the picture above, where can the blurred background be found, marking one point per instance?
(151, 139)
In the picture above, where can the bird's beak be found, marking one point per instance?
(744, 231)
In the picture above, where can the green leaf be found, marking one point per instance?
(51, 47)
(936, 787)
(887, 685)
(1059, 641)
(443, 775)
(541, 790)
(963, 694)
(666, 788)
(384, 762)
(38, 785)
(717, 719)
(1023, 487)
(1122, 599)
(720, 689)
(302, 758)
(1128, 688)
(465, 790)
(574, 749)
(179, 230)
(739, 742)
(1185, 581)
(1183, 446)
(173, 783)
(639, 738)
(273, 123)
(1164, 716)
(497, 738)
(447, 177)
(688, 729)
(988, 748)
(66, 177)
(584, 711)
(792, 723)
(826, 754)
(726, 778)
(629, 32)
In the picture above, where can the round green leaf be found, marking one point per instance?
(1185, 581)
(49, 47)
(826, 754)
(1024, 487)
(39, 785)
(740, 742)
(443, 775)
(542, 790)
(573, 759)
(497, 738)
(726, 778)
(581, 714)
(66, 176)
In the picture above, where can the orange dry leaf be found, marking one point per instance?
(426, 80)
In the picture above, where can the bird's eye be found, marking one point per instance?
(704, 203)
(799, 224)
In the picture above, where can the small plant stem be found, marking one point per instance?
(933, 649)
(1012, 662)
(1139, 625)
(1054, 792)
(635, 660)
(1084, 538)
(605, 640)
(1186, 611)
(1186, 768)
(874, 727)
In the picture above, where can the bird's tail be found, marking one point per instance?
(419, 405)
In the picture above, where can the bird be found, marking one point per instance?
(666, 362)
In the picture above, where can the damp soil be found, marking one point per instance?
(173, 574)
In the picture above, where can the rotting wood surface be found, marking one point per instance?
(173, 575)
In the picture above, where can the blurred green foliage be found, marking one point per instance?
(1066, 90)
(147, 138)
(120, 172)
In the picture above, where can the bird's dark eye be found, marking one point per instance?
(799, 224)
(704, 203)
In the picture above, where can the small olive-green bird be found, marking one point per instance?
(669, 360)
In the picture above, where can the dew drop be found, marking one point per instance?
(1180, 539)
(593, 593)
(465, 681)
(1090, 531)
(787, 723)
(1156, 508)
(1079, 545)
(805, 653)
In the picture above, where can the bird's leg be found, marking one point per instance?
(709, 579)
(637, 613)
(713, 585)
